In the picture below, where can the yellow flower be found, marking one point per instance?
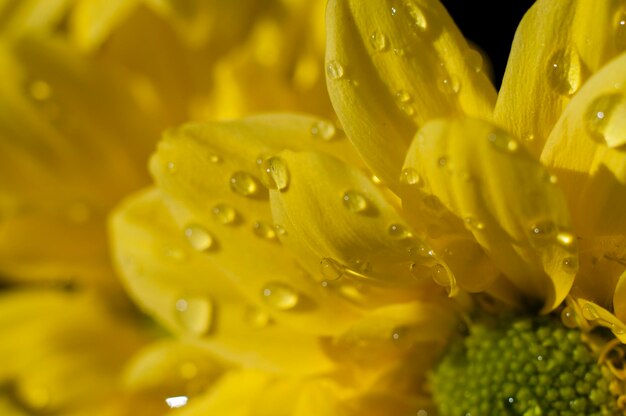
(330, 287)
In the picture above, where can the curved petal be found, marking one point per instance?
(558, 44)
(597, 315)
(506, 198)
(191, 293)
(92, 20)
(586, 151)
(393, 65)
(340, 226)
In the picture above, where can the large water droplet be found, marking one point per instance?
(605, 119)
(40, 90)
(355, 201)
(194, 314)
(280, 296)
(324, 130)
(542, 233)
(378, 41)
(274, 173)
(199, 238)
(418, 19)
(244, 184)
(334, 70)
(331, 269)
(502, 141)
(566, 240)
(441, 275)
(224, 214)
(409, 176)
(399, 231)
(264, 230)
(568, 317)
(565, 71)
(474, 59)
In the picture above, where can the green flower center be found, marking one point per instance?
(526, 367)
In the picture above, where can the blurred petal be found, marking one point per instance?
(596, 314)
(506, 198)
(192, 294)
(392, 66)
(586, 151)
(93, 20)
(558, 44)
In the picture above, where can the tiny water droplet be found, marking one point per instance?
(590, 313)
(354, 201)
(213, 158)
(474, 59)
(409, 176)
(402, 96)
(394, 10)
(334, 70)
(420, 251)
(257, 317)
(565, 71)
(194, 314)
(244, 184)
(407, 109)
(449, 84)
(604, 119)
(280, 296)
(280, 230)
(376, 179)
(570, 265)
(566, 240)
(528, 137)
(331, 269)
(40, 90)
(323, 130)
(224, 214)
(568, 317)
(542, 232)
(442, 161)
(474, 224)
(399, 231)
(199, 238)
(502, 141)
(264, 230)
(274, 173)
(171, 167)
(378, 41)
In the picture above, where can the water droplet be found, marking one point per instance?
(376, 179)
(257, 317)
(440, 275)
(280, 230)
(473, 223)
(474, 59)
(604, 119)
(334, 70)
(378, 41)
(565, 71)
(331, 269)
(617, 330)
(542, 232)
(402, 96)
(280, 296)
(264, 230)
(194, 314)
(418, 19)
(199, 238)
(502, 141)
(553, 179)
(274, 173)
(175, 253)
(40, 90)
(394, 10)
(399, 231)
(566, 240)
(171, 167)
(354, 201)
(442, 161)
(420, 251)
(323, 130)
(570, 265)
(213, 158)
(224, 214)
(528, 137)
(407, 109)
(176, 401)
(620, 32)
(399, 52)
(568, 317)
(449, 84)
(590, 313)
(409, 176)
(244, 184)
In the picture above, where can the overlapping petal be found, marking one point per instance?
(392, 66)
(507, 200)
(558, 45)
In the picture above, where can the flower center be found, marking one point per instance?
(526, 367)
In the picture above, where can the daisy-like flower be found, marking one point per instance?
(470, 265)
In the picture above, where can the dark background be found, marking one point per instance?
(490, 25)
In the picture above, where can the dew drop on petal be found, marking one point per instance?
(199, 238)
(402, 96)
(502, 141)
(449, 84)
(376, 179)
(323, 130)
(440, 275)
(331, 269)
(605, 119)
(399, 231)
(570, 265)
(568, 317)
(257, 317)
(442, 161)
(274, 173)
(224, 214)
(264, 230)
(334, 70)
(244, 184)
(354, 201)
(620, 32)
(590, 312)
(280, 296)
(541, 233)
(565, 71)
(280, 230)
(474, 59)
(566, 240)
(409, 176)
(408, 109)
(378, 41)
(213, 158)
(418, 19)
(194, 314)
(473, 223)
(171, 167)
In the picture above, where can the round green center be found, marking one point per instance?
(523, 367)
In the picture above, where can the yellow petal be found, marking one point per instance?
(597, 315)
(31, 15)
(586, 151)
(619, 298)
(558, 44)
(93, 20)
(392, 66)
(506, 198)
(344, 231)
(175, 278)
